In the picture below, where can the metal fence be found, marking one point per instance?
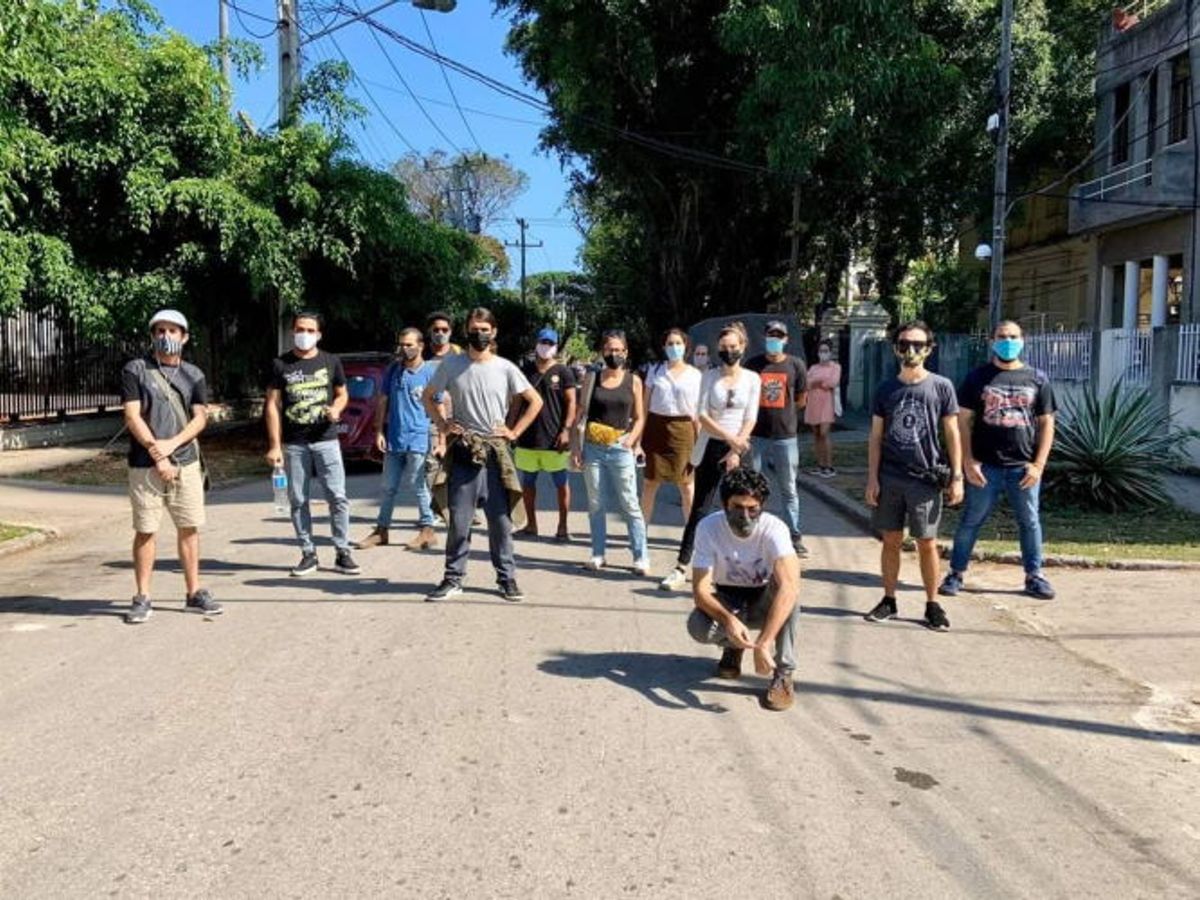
(1065, 356)
(1133, 350)
(1187, 368)
(47, 369)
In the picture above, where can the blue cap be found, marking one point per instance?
(548, 334)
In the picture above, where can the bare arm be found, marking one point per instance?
(1045, 441)
(533, 406)
(381, 411)
(272, 416)
(639, 414)
(705, 598)
(971, 468)
(955, 451)
(786, 575)
(341, 397)
(874, 451)
(564, 436)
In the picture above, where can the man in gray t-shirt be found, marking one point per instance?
(481, 387)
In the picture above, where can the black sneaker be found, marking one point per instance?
(444, 591)
(307, 565)
(884, 609)
(935, 617)
(202, 602)
(345, 563)
(510, 592)
(1037, 586)
(139, 612)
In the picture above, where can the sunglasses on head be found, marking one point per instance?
(911, 345)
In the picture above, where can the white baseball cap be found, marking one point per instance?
(174, 316)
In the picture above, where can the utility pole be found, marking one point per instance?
(223, 36)
(289, 58)
(523, 244)
(1000, 191)
(793, 285)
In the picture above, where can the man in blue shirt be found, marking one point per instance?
(402, 434)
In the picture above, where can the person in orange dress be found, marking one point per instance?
(824, 380)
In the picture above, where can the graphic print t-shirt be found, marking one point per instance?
(307, 387)
(781, 382)
(912, 415)
(1006, 404)
(552, 385)
(741, 562)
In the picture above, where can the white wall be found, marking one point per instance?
(1185, 412)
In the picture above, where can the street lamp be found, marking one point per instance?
(865, 283)
(436, 5)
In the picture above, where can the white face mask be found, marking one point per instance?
(305, 340)
(546, 351)
(823, 355)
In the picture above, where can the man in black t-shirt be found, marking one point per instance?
(1007, 427)
(774, 448)
(305, 399)
(544, 445)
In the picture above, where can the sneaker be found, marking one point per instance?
(1039, 587)
(307, 565)
(730, 665)
(781, 693)
(935, 617)
(345, 563)
(202, 602)
(952, 584)
(676, 580)
(377, 538)
(884, 609)
(828, 472)
(139, 612)
(444, 591)
(510, 592)
(798, 546)
(815, 470)
(596, 563)
(642, 567)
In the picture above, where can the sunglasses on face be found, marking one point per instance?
(902, 346)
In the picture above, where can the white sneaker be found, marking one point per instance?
(642, 567)
(674, 581)
(596, 563)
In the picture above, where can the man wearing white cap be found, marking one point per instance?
(164, 400)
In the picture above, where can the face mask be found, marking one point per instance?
(168, 346)
(824, 355)
(701, 360)
(480, 340)
(410, 353)
(729, 357)
(742, 521)
(911, 357)
(1008, 349)
(614, 360)
(439, 338)
(775, 345)
(546, 351)
(674, 352)
(305, 340)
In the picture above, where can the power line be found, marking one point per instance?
(447, 104)
(238, 11)
(371, 97)
(449, 87)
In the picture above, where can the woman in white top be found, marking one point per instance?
(672, 400)
(727, 414)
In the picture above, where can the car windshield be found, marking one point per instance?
(360, 387)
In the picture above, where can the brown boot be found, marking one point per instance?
(781, 694)
(423, 539)
(730, 665)
(377, 538)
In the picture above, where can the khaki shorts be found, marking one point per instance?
(183, 498)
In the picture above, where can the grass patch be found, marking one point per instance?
(231, 455)
(1160, 534)
(10, 532)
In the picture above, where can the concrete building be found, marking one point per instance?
(1137, 212)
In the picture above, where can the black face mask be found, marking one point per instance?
(614, 360)
(742, 521)
(479, 340)
(729, 357)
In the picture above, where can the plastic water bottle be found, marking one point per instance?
(279, 489)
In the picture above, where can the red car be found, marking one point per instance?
(364, 383)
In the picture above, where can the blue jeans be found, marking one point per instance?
(612, 468)
(779, 460)
(980, 501)
(323, 459)
(405, 469)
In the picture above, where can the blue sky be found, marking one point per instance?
(471, 35)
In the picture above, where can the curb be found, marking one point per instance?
(859, 514)
(42, 534)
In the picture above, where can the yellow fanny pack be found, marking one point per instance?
(599, 433)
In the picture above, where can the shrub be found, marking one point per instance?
(1111, 452)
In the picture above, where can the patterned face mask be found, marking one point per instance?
(167, 345)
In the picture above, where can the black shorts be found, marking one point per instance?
(906, 501)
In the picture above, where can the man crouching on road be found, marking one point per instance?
(164, 400)
(746, 575)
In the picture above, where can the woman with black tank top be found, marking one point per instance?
(605, 435)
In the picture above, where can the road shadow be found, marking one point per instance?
(837, 576)
(207, 566)
(345, 586)
(81, 608)
(833, 612)
(666, 680)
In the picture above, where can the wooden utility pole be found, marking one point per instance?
(1000, 192)
(793, 285)
(289, 58)
(223, 36)
(523, 244)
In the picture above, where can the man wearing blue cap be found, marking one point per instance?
(544, 445)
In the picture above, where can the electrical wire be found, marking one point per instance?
(478, 112)
(449, 86)
(371, 97)
(238, 12)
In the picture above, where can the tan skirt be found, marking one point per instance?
(668, 442)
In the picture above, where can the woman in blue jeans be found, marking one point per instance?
(605, 435)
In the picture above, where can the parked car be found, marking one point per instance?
(364, 383)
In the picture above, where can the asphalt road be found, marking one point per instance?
(336, 736)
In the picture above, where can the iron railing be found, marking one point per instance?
(1064, 356)
(1134, 350)
(1187, 368)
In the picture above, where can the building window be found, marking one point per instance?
(1152, 113)
(1121, 117)
(1181, 102)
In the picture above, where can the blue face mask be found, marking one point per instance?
(775, 345)
(1008, 349)
(674, 352)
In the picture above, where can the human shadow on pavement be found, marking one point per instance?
(207, 566)
(58, 606)
(837, 576)
(666, 680)
(339, 585)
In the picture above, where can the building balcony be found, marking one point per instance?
(1155, 188)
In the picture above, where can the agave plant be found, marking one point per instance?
(1111, 452)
